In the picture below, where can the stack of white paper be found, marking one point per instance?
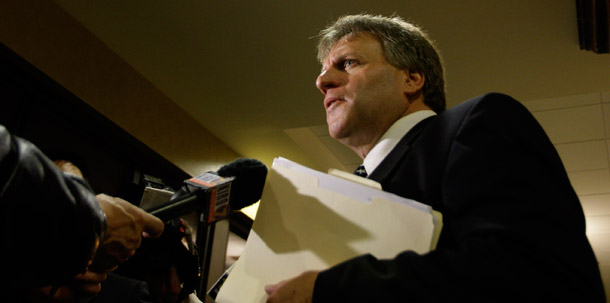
(312, 220)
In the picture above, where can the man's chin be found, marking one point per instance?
(336, 131)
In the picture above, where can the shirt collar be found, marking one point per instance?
(390, 139)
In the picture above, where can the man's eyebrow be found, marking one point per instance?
(342, 56)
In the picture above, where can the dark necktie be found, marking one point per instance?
(361, 171)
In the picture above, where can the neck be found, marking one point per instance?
(361, 150)
(363, 143)
(416, 105)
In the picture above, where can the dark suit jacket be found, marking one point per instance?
(513, 231)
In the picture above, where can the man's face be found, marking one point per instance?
(363, 93)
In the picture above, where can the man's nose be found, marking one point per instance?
(326, 80)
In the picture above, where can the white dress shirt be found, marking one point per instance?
(388, 141)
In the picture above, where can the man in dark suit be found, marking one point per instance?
(513, 228)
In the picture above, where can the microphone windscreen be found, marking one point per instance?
(250, 176)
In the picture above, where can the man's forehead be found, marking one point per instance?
(355, 37)
(345, 44)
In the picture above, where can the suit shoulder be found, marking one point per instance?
(489, 98)
(489, 102)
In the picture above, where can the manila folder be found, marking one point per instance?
(311, 220)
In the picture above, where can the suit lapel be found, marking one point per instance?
(386, 166)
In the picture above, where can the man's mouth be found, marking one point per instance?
(329, 102)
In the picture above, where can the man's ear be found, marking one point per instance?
(413, 83)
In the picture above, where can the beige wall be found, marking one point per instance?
(50, 39)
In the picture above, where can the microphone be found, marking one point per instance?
(234, 186)
(250, 176)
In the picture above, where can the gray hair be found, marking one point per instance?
(405, 46)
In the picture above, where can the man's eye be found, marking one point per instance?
(347, 63)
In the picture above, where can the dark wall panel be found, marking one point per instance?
(36, 108)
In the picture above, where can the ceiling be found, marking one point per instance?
(246, 69)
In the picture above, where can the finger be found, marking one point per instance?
(269, 289)
(91, 277)
(153, 226)
(104, 262)
(90, 288)
(119, 252)
(64, 294)
(113, 268)
(86, 288)
(105, 267)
